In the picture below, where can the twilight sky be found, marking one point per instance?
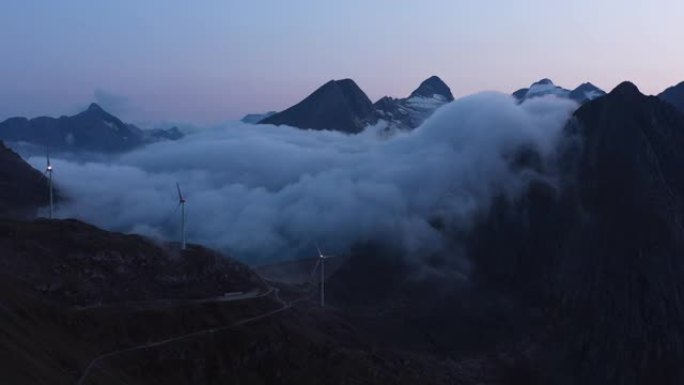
(215, 60)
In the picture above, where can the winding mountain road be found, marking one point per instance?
(275, 291)
(230, 297)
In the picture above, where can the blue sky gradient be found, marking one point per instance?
(211, 61)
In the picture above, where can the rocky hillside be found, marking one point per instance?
(70, 292)
(79, 305)
(85, 265)
(22, 188)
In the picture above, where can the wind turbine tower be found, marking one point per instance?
(48, 172)
(181, 203)
(321, 263)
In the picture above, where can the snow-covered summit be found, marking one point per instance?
(544, 87)
(409, 113)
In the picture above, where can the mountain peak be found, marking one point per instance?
(433, 86)
(342, 83)
(586, 92)
(337, 105)
(95, 111)
(345, 82)
(545, 81)
(674, 95)
(586, 85)
(626, 88)
(95, 108)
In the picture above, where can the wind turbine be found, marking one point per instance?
(321, 263)
(48, 172)
(181, 203)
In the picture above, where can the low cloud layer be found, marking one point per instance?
(264, 193)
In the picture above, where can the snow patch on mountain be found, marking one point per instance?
(583, 93)
(409, 113)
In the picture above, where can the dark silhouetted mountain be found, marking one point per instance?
(581, 94)
(256, 118)
(92, 130)
(674, 95)
(338, 105)
(342, 106)
(22, 188)
(603, 248)
(409, 113)
(626, 274)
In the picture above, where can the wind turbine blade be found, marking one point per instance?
(318, 263)
(180, 194)
(319, 250)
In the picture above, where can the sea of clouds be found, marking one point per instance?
(264, 193)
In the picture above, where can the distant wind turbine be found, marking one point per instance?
(321, 263)
(48, 172)
(181, 203)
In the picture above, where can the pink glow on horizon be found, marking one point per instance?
(214, 62)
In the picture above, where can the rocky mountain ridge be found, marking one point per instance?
(583, 93)
(92, 130)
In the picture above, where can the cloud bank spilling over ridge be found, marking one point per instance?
(266, 193)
